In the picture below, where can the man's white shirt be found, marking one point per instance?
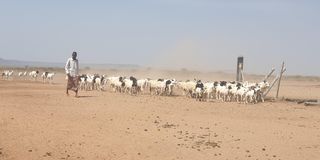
(72, 67)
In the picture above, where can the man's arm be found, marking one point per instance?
(67, 66)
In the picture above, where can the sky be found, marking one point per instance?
(174, 34)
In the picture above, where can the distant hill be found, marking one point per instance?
(17, 63)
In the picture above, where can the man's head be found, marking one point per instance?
(74, 55)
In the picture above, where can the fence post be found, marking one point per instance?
(272, 84)
(280, 77)
(268, 75)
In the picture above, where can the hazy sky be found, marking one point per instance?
(195, 34)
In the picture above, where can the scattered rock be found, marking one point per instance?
(212, 144)
(167, 125)
(47, 154)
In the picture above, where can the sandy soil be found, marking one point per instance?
(38, 121)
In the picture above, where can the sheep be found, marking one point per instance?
(142, 84)
(115, 83)
(50, 77)
(209, 90)
(155, 86)
(83, 82)
(129, 85)
(34, 74)
(7, 74)
(47, 76)
(188, 87)
(20, 74)
(251, 96)
(222, 91)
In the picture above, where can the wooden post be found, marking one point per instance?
(239, 69)
(273, 83)
(268, 75)
(280, 77)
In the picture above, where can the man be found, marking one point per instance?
(200, 85)
(199, 90)
(72, 71)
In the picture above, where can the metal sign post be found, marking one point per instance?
(240, 69)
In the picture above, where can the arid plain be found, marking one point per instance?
(38, 121)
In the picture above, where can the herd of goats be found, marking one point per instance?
(226, 91)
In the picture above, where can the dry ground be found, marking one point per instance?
(38, 121)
